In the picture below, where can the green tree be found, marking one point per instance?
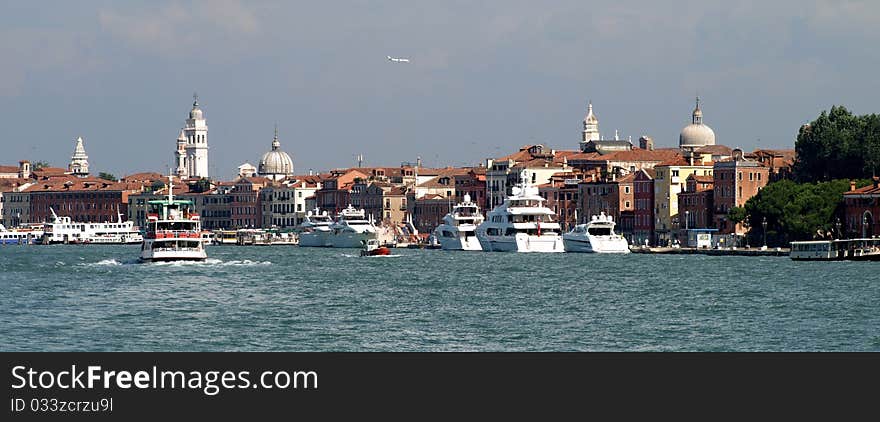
(39, 165)
(737, 215)
(201, 185)
(796, 211)
(107, 176)
(838, 145)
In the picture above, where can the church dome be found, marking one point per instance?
(696, 134)
(276, 164)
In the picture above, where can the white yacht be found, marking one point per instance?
(597, 235)
(63, 230)
(458, 230)
(521, 224)
(315, 229)
(351, 229)
(174, 232)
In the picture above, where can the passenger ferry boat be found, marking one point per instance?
(225, 237)
(315, 229)
(63, 230)
(20, 236)
(458, 230)
(521, 224)
(351, 229)
(174, 232)
(864, 249)
(597, 236)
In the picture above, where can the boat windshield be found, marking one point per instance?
(600, 231)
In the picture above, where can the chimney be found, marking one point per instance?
(852, 185)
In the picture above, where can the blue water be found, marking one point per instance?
(286, 298)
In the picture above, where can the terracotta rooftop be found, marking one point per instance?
(77, 184)
(715, 150)
(9, 169)
(872, 189)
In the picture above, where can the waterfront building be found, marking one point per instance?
(643, 207)
(87, 200)
(695, 204)
(79, 162)
(612, 195)
(284, 202)
(275, 164)
(429, 210)
(335, 192)
(736, 180)
(246, 208)
(191, 152)
(862, 210)
(669, 181)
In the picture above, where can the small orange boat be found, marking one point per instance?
(373, 248)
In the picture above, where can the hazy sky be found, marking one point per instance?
(485, 78)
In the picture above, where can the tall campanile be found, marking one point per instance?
(195, 135)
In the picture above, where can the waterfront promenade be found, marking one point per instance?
(708, 251)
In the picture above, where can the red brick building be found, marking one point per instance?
(862, 210)
(643, 207)
(246, 211)
(335, 192)
(695, 206)
(736, 180)
(87, 200)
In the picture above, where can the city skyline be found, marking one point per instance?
(483, 80)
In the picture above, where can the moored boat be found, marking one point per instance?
(314, 231)
(457, 232)
(595, 236)
(863, 249)
(521, 224)
(351, 229)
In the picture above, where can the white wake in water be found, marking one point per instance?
(213, 262)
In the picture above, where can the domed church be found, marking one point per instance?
(696, 134)
(276, 164)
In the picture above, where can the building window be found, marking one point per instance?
(626, 190)
(674, 173)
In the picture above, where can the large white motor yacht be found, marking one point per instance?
(351, 229)
(521, 224)
(315, 229)
(63, 230)
(174, 232)
(597, 235)
(458, 230)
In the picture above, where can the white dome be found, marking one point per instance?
(276, 163)
(696, 135)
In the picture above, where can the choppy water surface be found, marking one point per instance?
(99, 298)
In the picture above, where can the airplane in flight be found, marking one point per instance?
(397, 59)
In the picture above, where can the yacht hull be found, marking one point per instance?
(460, 243)
(522, 243)
(583, 244)
(315, 239)
(350, 240)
